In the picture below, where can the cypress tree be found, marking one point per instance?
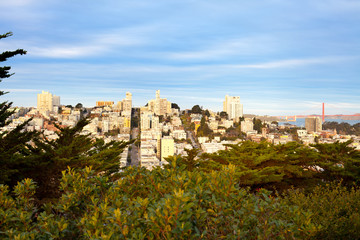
(13, 144)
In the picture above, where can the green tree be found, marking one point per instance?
(14, 145)
(207, 113)
(196, 109)
(266, 165)
(70, 149)
(338, 161)
(257, 124)
(204, 129)
(224, 115)
(174, 105)
(79, 106)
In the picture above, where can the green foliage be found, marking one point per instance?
(224, 115)
(257, 124)
(70, 149)
(207, 113)
(204, 129)
(334, 208)
(79, 106)
(14, 145)
(339, 161)
(196, 109)
(343, 127)
(266, 165)
(160, 204)
(4, 71)
(174, 105)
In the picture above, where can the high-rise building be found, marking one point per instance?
(313, 124)
(46, 101)
(159, 106)
(233, 107)
(149, 121)
(125, 104)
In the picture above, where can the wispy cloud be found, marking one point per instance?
(293, 62)
(21, 90)
(231, 47)
(99, 44)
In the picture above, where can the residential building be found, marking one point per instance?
(166, 147)
(247, 125)
(233, 107)
(313, 124)
(46, 102)
(104, 103)
(159, 106)
(126, 104)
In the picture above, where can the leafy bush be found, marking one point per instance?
(335, 210)
(163, 203)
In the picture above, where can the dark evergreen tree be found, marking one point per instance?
(196, 109)
(257, 124)
(266, 165)
(13, 144)
(174, 105)
(224, 115)
(71, 149)
(338, 161)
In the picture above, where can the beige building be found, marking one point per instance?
(313, 124)
(149, 121)
(46, 101)
(125, 104)
(166, 147)
(104, 103)
(247, 125)
(233, 107)
(159, 106)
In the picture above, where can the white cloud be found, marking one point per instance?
(100, 44)
(293, 62)
(20, 90)
(231, 47)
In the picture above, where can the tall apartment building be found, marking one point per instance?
(166, 147)
(149, 121)
(313, 124)
(125, 104)
(46, 101)
(233, 107)
(159, 106)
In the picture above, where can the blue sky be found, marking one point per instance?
(280, 56)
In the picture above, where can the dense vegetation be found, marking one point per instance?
(175, 203)
(343, 128)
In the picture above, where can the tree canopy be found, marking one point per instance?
(196, 109)
(13, 144)
(174, 105)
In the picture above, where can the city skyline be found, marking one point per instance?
(279, 57)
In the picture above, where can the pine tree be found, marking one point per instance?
(13, 144)
(71, 149)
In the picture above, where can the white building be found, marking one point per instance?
(247, 125)
(233, 107)
(46, 102)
